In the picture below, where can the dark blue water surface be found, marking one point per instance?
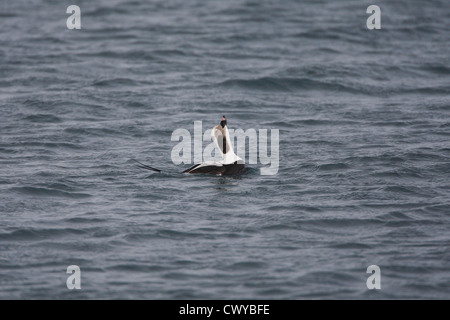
(364, 122)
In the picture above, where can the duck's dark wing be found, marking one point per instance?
(218, 168)
(234, 169)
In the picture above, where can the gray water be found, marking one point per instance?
(364, 149)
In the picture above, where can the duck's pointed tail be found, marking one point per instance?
(144, 166)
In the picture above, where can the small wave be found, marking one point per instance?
(46, 39)
(118, 82)
(437, 90)
(129, 55)
(350, 245)
(308, 122)
(37, 234)
(47, 192)
(328, 50)
(180, 235)
(398, 173)
(437, 69)
(412, 190)
(173, 52)
(7, 15)
(332, 166)
(101, 132)
(335, 223)
(287, 84)
(85, 220)
(279, 227)
(138, 237)
(105, 11)
(135, 267)
(23, 234)
(165, 234)
(390, 123)
(246, 265)
(318, 34)
(329, 277)
(5, 150)
(43, 118)
(394, 216)
(438, 208)
(422, 155)
(50, 145)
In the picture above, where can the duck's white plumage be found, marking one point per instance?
(221, 137)
(230, 164)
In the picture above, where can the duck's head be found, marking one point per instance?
(223, 122)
